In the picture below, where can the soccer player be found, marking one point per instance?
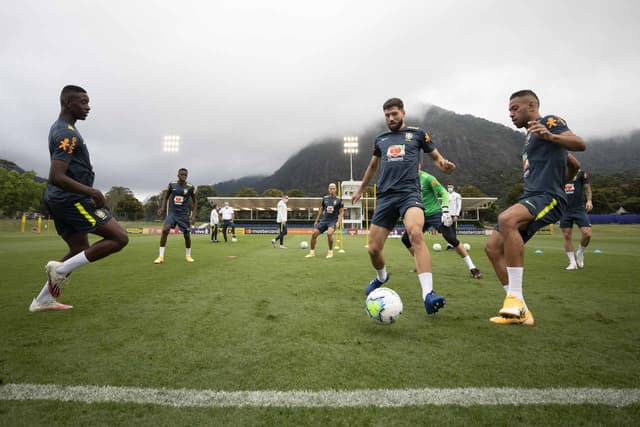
(439, 217)
(397, 154)
(177, 196)
(577, 189)
(281, 220)
(227, 213)
(214, 222)
(76, 207)
(329, 215)
(547, 166)
(455, 206)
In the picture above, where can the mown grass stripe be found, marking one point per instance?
(325, 398)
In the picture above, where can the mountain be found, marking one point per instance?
(234, 185)
(488, 156)
(11, 166)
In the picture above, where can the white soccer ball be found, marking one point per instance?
(383, 306)
(467, 246)
(233, 239)
(304, 245)
(437, 247)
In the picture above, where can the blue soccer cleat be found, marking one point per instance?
(433, 303)
(375, 284)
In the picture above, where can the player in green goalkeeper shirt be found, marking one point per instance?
(437, 215)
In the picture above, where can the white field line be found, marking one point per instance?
(324, 398)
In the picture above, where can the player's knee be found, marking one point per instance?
(491, 250)
(586, 232)
(374, 248)
(121, 240)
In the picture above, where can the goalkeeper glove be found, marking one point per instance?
(446, 217)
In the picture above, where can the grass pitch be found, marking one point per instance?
(248, 317)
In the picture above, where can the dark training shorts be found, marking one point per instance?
(182, 221)
(580, 218)
(390, 207)
(78, 217)
(545, 208)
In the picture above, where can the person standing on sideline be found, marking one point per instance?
(396, 153)
(577, 190)
(177, 196)
(76, 207)
(455, 206)
(281, 219)
(228, 214)
(547, 166)
(214, 222)
(329, 215)
(438, 216)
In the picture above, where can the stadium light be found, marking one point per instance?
(350, 148)
(171, 143)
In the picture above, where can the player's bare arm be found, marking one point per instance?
(371, 170)
(566, 139)
(58, 177)
(443, 164)
(573, 166)
(163, 203)
(195, 207)
(587, 192)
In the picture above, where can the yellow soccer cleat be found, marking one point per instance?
(525, 320)
(189, 259)
(512, 307)
(159, 260)
(310, 255)
(329, 254)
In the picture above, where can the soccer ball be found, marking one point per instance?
(233, 239)
(383, 306)
(304, 245)
(437, 247)
(467, 246)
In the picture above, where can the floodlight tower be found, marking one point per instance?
(171, 143)
(350, 148)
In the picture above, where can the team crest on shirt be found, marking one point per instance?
(408, 136)
(395, 153)
(569, 188)
(184, 191)
(555, 121)
(68, 145)
(101, 214)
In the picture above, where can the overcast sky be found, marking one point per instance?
(248, 83)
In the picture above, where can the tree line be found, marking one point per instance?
(22, 193)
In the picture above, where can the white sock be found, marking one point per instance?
(515, 281)
(572, 258)
(188, 251)
(72, 263)
(426, 282)
(312, 251)
(581, 249)
(382, 274)
(469, 263)
(161, 251)
(44, 294)
(330, 251)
